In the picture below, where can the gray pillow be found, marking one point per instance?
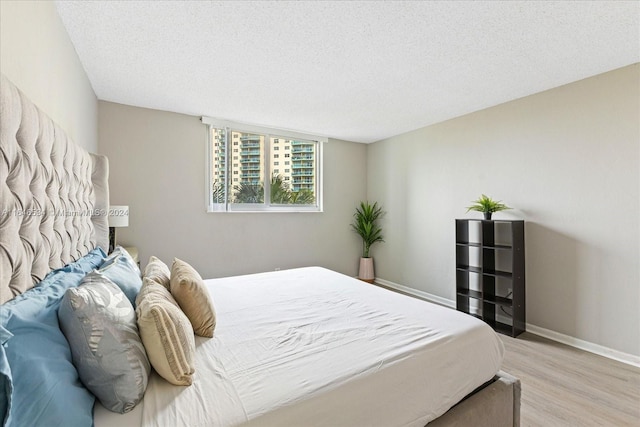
(100, 324)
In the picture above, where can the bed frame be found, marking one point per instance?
(495, 404)
(53, 210)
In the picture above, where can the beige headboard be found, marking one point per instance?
(54, 195)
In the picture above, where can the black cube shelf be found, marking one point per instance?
(490, 272)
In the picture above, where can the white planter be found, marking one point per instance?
(366, 272)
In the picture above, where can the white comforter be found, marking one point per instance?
(311, 347)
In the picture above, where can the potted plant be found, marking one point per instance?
(487, 206)
(365, 225)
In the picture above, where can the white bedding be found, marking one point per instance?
(311, 347)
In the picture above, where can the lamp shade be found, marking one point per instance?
(118, 216)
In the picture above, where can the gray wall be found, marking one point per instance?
(37, 55)
(568, 160)
(157, 167)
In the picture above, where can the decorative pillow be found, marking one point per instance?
(100, 325)
(193, 297)
(151, 292)
(38, 354)
(123, 271)
(166, 334)
(120, 252)
(158, 272)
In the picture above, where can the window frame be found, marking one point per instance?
(268, 133)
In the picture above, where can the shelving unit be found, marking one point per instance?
(490, 272)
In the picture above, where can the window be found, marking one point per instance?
(239, 185)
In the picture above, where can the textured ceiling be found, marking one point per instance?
(360, 71)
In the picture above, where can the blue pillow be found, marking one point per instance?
(122, 270)
(39, 355)
(6, 386)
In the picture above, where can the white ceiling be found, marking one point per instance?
(360, 71)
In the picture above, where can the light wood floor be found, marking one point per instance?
(565, 386)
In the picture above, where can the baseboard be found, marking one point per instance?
(598, 349)
(417, 293)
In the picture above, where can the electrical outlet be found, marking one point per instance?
(277, 269)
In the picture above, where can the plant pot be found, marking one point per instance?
(366, 273)
(487, 215)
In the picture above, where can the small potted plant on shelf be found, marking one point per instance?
(366, 226)
(487, 206)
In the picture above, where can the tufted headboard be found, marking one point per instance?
(54, 195)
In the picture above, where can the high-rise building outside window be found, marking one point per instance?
(296, 188)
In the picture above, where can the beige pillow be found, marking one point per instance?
(193, 297)
(151, 292)
(166, 334)
(157, 271)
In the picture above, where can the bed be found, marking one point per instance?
(307, 346)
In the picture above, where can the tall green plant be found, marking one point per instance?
(280, 192)
(365, 225)
(248, 192)
(303, 196)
